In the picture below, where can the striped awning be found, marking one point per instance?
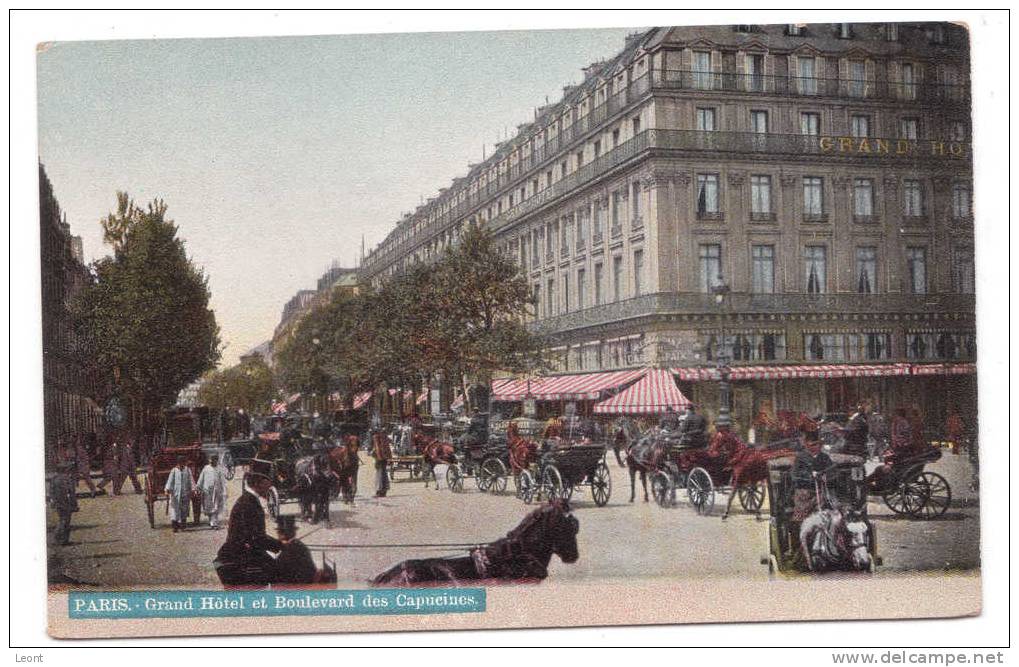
(944, 369)
(652, 394)
(293, 398)
(422, 397)
(457, 402)
(583, 387)
(361, 399)
(787, 371)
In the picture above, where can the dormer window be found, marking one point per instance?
(744, 28)
(892, 32)
(793, 29)
(845, 31)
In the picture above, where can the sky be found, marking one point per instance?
(276, 155)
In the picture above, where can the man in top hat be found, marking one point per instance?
(694, 428)
(294, 565)
(244, 560)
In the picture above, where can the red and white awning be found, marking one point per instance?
(422, 397)
(583, 387)
(457, 402)
(361, 399)
(944, 369)
(652, 394)
(788, 371)
(293, 398)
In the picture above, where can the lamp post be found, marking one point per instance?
(724, 419)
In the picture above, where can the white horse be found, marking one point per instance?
(831, 538)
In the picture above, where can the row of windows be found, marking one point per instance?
(706, 119)
(561, 296)
(815, 269)
(913, 202)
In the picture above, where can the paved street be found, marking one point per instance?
(112, 544)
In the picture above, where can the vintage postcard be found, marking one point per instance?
(668, 324)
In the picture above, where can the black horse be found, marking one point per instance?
(626, 435)
(523, 555)
(313, 486)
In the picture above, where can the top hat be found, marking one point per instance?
(261, 468)
(286, 523)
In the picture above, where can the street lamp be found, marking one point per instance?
(724, 419)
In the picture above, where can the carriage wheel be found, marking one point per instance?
(601, 485)
(454, 478)
(751, 497)
(663, 490)
(480, 480)
(901, 499)
(525, 486)
(933, 493)
(150, 501)
(272, 501)
(495, 473)
(700, 490)
(551, 484)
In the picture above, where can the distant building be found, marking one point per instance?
(69, 387)
(335, 278)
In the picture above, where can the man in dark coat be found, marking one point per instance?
(294, 566)
(857, 432)
(243, 560)
(694, 428)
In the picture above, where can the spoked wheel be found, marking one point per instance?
(601, 485)
(551, 484)
(751, 498)
(526, 487)
(901, 499)
(272, 501)
(663, 490)
(495, 473)
(933, 495)
(150, 501)
(454, 478)
(700, 490)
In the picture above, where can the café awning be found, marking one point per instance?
(652, 394)
(361, 399)
(790, 371)
(944, 369)
(580, 387)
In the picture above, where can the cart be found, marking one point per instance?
(560, 471)
(841, 486)
(907, 489)
(158, 470)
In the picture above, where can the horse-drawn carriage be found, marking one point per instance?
(838, 533)
(487, 463)
(160, 465)
(562, 468)
(907, 489)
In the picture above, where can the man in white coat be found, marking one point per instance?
(212, 486)
(179, 485)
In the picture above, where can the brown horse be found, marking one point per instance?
(522, 452)
(433, 452)
(344, 462)
(522, 556)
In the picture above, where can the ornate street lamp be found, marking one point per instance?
(724, 419)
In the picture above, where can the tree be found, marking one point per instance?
(147, 311)
(482, 301)
(247, 385)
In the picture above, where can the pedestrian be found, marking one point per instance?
(382, 453)
(63, 499)
(109, 458)
(916, 428)
(83, 466)
(244, 560)
(954, 429)
(212, 487)
(294, 565)
(179, 487)
(857, 432)
(126, 465)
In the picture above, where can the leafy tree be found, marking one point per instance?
(247, 385)
(147, 311)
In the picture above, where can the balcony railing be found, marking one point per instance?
(815, 217)
(710, 215)
(669, 303)
(809, 86)
(762, 216)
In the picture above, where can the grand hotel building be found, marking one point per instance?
(820, 173)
